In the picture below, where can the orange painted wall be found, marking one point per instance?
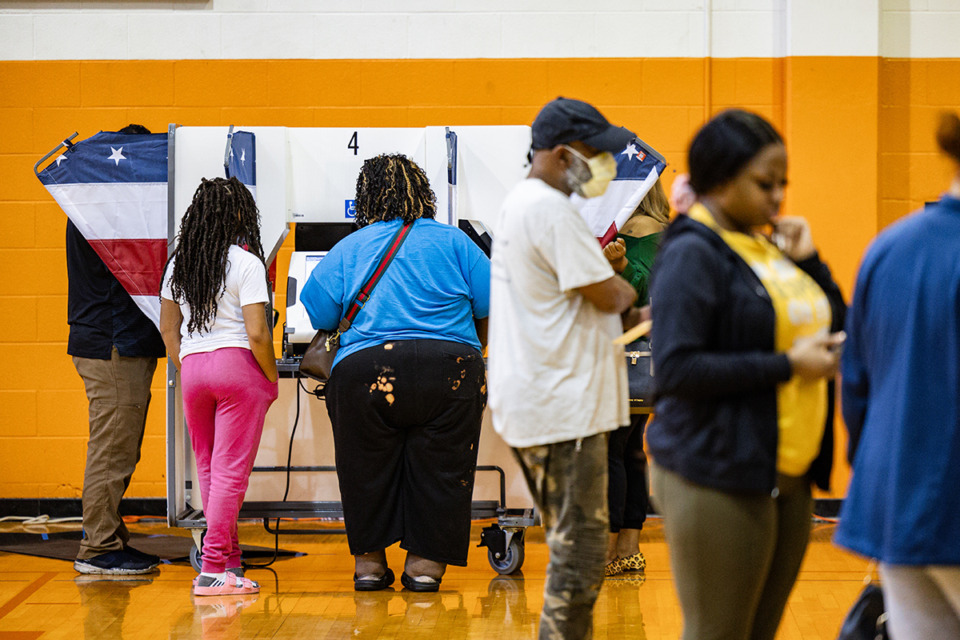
(859, 131)
(911, 169)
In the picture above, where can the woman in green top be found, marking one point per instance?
(631, 255)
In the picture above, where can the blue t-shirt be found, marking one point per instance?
(436, 285)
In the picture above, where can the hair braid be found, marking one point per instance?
(222, 213)
(391, 187)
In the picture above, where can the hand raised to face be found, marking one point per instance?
(792, 236)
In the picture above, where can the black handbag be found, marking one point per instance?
(866, 619)
(640, 375)
(317, 361)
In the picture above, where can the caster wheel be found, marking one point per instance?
(196, 550)
(512, 559)
(195, 561)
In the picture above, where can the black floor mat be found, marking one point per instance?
(64, 546)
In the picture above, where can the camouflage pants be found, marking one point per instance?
(568, 481)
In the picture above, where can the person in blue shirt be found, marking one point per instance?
(408, 386)
(901, 404)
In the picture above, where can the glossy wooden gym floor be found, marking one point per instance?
(312, 597)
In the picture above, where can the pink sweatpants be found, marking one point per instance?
(225, 400)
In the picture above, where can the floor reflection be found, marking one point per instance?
(105, 600)
(621, 606)
(214, 618)
(292, 608)
(506, 600)
(312, 596)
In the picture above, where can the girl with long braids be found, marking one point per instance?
(213, 322)
(408, 387)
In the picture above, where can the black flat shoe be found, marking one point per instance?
(423, 586)
(373, 584)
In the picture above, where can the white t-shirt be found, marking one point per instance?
(245, 282)
(555, 374)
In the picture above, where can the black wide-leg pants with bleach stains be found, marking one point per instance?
(406, 427)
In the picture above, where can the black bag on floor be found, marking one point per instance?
(866, 619)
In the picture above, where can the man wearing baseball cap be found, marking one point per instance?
(558, 384)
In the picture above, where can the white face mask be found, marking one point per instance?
(591, 177)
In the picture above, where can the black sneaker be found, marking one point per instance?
(114, 563)
(149, 557)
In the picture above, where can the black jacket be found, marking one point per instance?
(100, 312)
(715, 364)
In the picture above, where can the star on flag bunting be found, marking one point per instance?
(113, 187)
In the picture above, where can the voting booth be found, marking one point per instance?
(307, 177)
(127, 193)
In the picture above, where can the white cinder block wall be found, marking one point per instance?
(392, 29)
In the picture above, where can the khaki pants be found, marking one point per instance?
(923, 601)
(568, 481)
(118, 390)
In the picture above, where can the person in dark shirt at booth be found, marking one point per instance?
(115, 348)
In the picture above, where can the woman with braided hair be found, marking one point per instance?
(408, 386)
(213, 322)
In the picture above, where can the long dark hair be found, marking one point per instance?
(223, 213)
(725, 145)
(391, 187)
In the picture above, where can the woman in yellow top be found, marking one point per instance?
(743, 354)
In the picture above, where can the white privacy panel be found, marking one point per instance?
(490, 162)
(325, 164)
(199, 153)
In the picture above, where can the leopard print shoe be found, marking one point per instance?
(613, 568)
(635, 562)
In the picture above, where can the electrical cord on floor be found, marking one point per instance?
(318, 392)
(41, 519)
(273, 596)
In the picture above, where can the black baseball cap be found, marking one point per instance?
(565, 120)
